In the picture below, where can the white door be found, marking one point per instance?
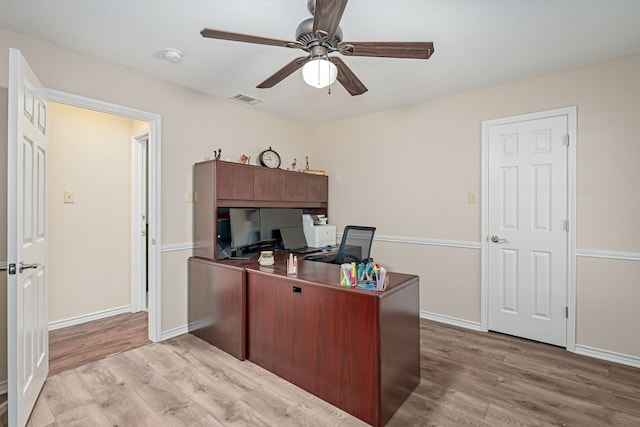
(527, 229)
(139, 225)
(28, 344)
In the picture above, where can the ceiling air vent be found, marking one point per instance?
(246, 99)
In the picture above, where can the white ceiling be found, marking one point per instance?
(478, 43)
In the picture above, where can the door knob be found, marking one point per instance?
(496, 239)
(24, 266)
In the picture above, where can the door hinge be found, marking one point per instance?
(566, 311)
(565, 140)
(566, 225)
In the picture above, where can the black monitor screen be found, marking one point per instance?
(272, 220)
(245, 227)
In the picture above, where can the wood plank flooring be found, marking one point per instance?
(81, 344)
(468, 379)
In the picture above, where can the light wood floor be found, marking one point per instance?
(468, 379)
(81, 344)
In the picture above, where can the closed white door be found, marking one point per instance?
(27, 240)
(527, 229)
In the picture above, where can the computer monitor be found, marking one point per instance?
(245, 227)
(274, 219)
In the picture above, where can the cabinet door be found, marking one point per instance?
(267, 184)
(321, 339)
(317, 188)
(295, 187)
(234, 181)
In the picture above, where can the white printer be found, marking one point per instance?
(317, 232)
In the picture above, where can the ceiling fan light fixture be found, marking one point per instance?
(319, 72)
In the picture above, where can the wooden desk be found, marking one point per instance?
(358, 350)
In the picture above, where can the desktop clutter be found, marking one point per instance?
(260, 232)
(369, 276)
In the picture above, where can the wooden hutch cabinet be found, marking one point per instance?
(221, 185)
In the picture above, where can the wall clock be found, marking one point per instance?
(269, 158)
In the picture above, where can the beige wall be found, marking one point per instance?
(422, 161)
(89, 240)
(608, 296)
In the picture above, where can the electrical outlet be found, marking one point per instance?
(69, 197)
(473, 197)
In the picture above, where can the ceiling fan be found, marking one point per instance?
(319, 36)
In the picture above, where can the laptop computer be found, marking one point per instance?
(293, 240)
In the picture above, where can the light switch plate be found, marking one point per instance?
(473, 197)
(69, 196)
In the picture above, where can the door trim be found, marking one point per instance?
(571, 114)
(154, 148)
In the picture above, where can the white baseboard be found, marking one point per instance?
(88, 317)
(476, 326)
(4, 387)
(608, 355)
(165, 335)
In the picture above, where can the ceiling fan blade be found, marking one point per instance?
(416, 50)
(348, 79)
(246, 38)
(282, 73)
(327, 16)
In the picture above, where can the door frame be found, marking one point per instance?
(571, 115)
(154, 176)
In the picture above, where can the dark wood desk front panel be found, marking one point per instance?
(358, 350)
(321, 339)
(217, 305)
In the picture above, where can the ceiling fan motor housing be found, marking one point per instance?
(305, 35)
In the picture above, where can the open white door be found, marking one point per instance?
(28, 345)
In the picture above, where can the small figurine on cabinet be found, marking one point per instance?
(245, 159)
(313, 171)
(293, 164)
(217, 153)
